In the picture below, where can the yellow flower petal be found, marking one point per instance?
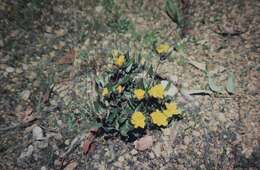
(157, 91)
(119, 89)
(120, 60)
(159, 118)
(163, 48)
(171, 109)
(139, 94)
(138, 120)
(105, 92)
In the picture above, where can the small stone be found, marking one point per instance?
(73, 165)
(67, 142)
(9, 69)
(187, 140)
(25, 95)
(157, 150)
(134, 152)
(60, 32)
(25, 67)
(151, 154)
(37, 133)
(18, 71)
(32, 75)
(98, 9)
(59, 122)
(121, 159)
(48, 29)
(43, 168)
(57, 162)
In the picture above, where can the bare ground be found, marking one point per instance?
(218, 131)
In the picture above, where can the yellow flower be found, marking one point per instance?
(159, 118)
(171, 109)
(157, 91)
(120, 60)
(163, 48)
(105, 92)
(138, 119)
(139, 94)
(119, 89)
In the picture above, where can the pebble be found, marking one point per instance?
(43, 168)
(67, 142)
(37, 133)
(9, 69)
(18, 70)
(152, 156)
(25, 95)
(134, 152)
(98, 9)
(25, 67)
(121, 159)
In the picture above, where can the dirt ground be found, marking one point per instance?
(51, 51)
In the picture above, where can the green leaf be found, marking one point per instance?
(128, 69)
(150, 71)
(125, 128)
(213, 86)
(111, 117)
(138, 58)
(231, 83)
(174, 12)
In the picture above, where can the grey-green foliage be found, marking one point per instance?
(172, 8)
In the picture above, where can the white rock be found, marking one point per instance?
(37, 133)
(134, 152)
(18, 70)
(1, 43)
(43, 168)
(98, 9)
(25, 94)
(9, 69)
(25, 67)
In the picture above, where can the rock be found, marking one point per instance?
(18, 71)
(9, 69)
(151, 154)
(187, 140)
(174, 79)
(157, 150)
(39, 141)
(172, 91)
(121, 159)
(25, 67)
(32, 75)
(25, 95)
(60, 32)
(134, 152)
(43, 168)
(24, 159)
(67, 142)
(144, 143)
(99, 9)
(48, 29)
(37, 133)
(73, 165)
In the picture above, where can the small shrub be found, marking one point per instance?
(131, 98)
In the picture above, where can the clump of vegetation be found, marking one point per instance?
(131, 98)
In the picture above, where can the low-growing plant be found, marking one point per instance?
(131, 98)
